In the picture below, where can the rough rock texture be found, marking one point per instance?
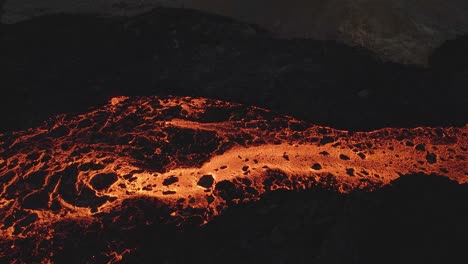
(404, 31)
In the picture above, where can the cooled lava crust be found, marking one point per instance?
(188, 160)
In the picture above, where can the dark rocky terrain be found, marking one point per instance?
(419, 219)
(405, 31)
(68, 63)
(65, 63)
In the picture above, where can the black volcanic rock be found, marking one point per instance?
(344, 157)
(206, 181)
(316, 166)
(431, 158)
(103, 180)
(170, 180)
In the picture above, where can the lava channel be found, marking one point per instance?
(195, 157)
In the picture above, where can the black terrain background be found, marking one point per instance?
(67, 63)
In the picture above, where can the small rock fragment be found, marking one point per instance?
(206, 181)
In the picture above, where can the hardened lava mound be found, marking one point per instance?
(186, 160)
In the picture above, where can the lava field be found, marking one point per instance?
(188, 160)
(177, 136)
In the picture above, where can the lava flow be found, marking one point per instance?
(195, 157)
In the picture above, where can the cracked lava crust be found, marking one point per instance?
(191, 158)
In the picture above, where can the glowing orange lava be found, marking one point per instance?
(197, 156)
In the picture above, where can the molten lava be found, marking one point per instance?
(196, 157)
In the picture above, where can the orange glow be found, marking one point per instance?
(197, 156)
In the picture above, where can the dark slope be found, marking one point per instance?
(65, 63)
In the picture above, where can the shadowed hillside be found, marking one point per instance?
(404, 31)
(64, 63)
